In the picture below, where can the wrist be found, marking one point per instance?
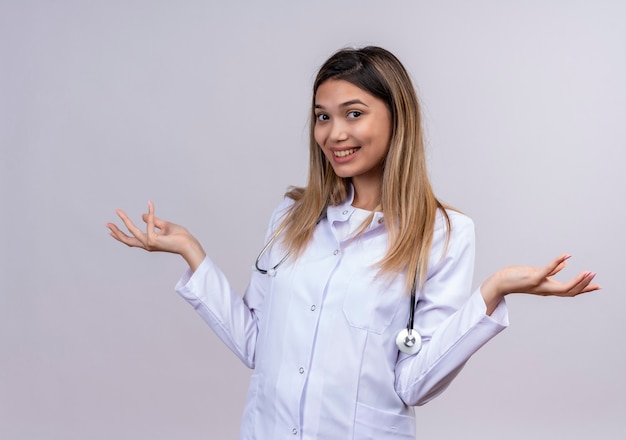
(492, 292)
(193, 254)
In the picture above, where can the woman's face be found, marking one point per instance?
(353, 128)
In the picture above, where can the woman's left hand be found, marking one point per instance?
(535, 281)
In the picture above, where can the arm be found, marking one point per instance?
(235, 320)
(452, 322)
(454, 325)
(203, 285)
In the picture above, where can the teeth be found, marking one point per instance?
(344, 153)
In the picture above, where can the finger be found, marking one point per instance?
(558, 268)
(591, 288)
(587, 285)
(158, 223)
(127, 222)
(138, 233)
(578, 284)
(150, 232)
(556, 265)
(117, 234)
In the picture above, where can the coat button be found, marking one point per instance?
(381, 220)
(301, 370)
(336, 251)
(313, 308)
(294, 431)
(345, 212)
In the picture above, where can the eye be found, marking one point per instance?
(354, 114)
(322, 117)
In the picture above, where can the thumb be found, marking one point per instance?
(556, 265)
(159, 223)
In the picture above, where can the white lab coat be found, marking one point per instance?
(320, 334)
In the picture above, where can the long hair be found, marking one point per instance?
(407, 198)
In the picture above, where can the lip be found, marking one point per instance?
(341, 158)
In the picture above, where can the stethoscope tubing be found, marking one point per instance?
(272, 270)
(408, 340)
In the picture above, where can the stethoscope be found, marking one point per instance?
(408, 341)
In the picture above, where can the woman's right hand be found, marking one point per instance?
(160, 236)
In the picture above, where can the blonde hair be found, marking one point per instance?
(407, 198)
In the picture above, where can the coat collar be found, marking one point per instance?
(343, 211)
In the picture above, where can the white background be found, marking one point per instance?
(202, 107)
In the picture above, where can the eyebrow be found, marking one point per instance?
(346, 104)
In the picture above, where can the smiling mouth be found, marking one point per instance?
(344, 153)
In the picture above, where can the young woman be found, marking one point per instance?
(360, 307)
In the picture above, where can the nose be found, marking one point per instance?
(338, 131)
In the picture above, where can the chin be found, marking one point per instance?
(343, 174)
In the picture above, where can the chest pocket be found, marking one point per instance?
(372, 303)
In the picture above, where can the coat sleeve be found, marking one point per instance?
(234, 319)
(452, 321)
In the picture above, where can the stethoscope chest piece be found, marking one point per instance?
(409, 343)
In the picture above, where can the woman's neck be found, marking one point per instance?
(366, 194)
